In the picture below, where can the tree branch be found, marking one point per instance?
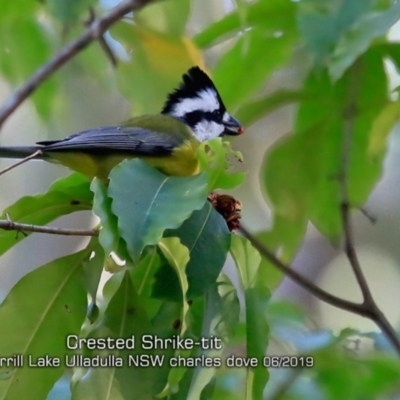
(20, 162)
(352, 255)
(368, 308)
(9, 225)
(364, 310)
(94, 32)
(350, 113)
(304, 282)
(369, 303)
(103, 43)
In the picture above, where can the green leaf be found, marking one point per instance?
(111, 287)
(268, 273)
(93, 269)
(197, 313)
(166, 283)
(256, 339)
(12, 10)
(357, 40)
(167, 17)
(163, 202)
(64, 196)
(50, 299)
(245, 56)
(335, 371)
(166, 324)
(208, 239)
(69, 11)
(247, 261)
(142, 275)
(272, 15)
(323, 22)
(27, 47)
(302, 172)
(213, 158)
(221, 317)
(168, 317)
(282, 311)
(253, 110)
(381, 128)
(123, 318)
(108, 235)
(178, 257)
(158, 58)
(385, 375)
(167, 320)
(215, 315)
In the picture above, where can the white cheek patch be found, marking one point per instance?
(205, 130)
(206, 101)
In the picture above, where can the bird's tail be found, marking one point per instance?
(19, 151)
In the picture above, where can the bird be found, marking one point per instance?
(193, 113)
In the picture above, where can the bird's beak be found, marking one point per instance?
(233, 127)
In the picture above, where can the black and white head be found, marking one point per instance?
(198, 104)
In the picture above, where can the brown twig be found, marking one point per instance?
(350, 113)
(371, 218)
(352, 255)
(20, 162)
(9, 225)
(103, 43)
(304, 282)
(366, 310)
(94, 32)
(369, 303)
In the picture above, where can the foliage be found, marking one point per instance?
(172, 242)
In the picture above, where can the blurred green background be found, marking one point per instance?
(285, 69)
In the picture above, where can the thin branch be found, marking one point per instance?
(94, 32)
(350, 114)
(20, 162)
(369, 303)
(304, 282)
(9, 225)
(318, 292)
(352, 255)
(371, 218)
(103, 43)
(370, 311)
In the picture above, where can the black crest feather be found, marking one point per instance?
(194, 81)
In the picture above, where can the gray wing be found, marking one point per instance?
(125, 139)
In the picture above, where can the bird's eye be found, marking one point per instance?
(217, 113)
